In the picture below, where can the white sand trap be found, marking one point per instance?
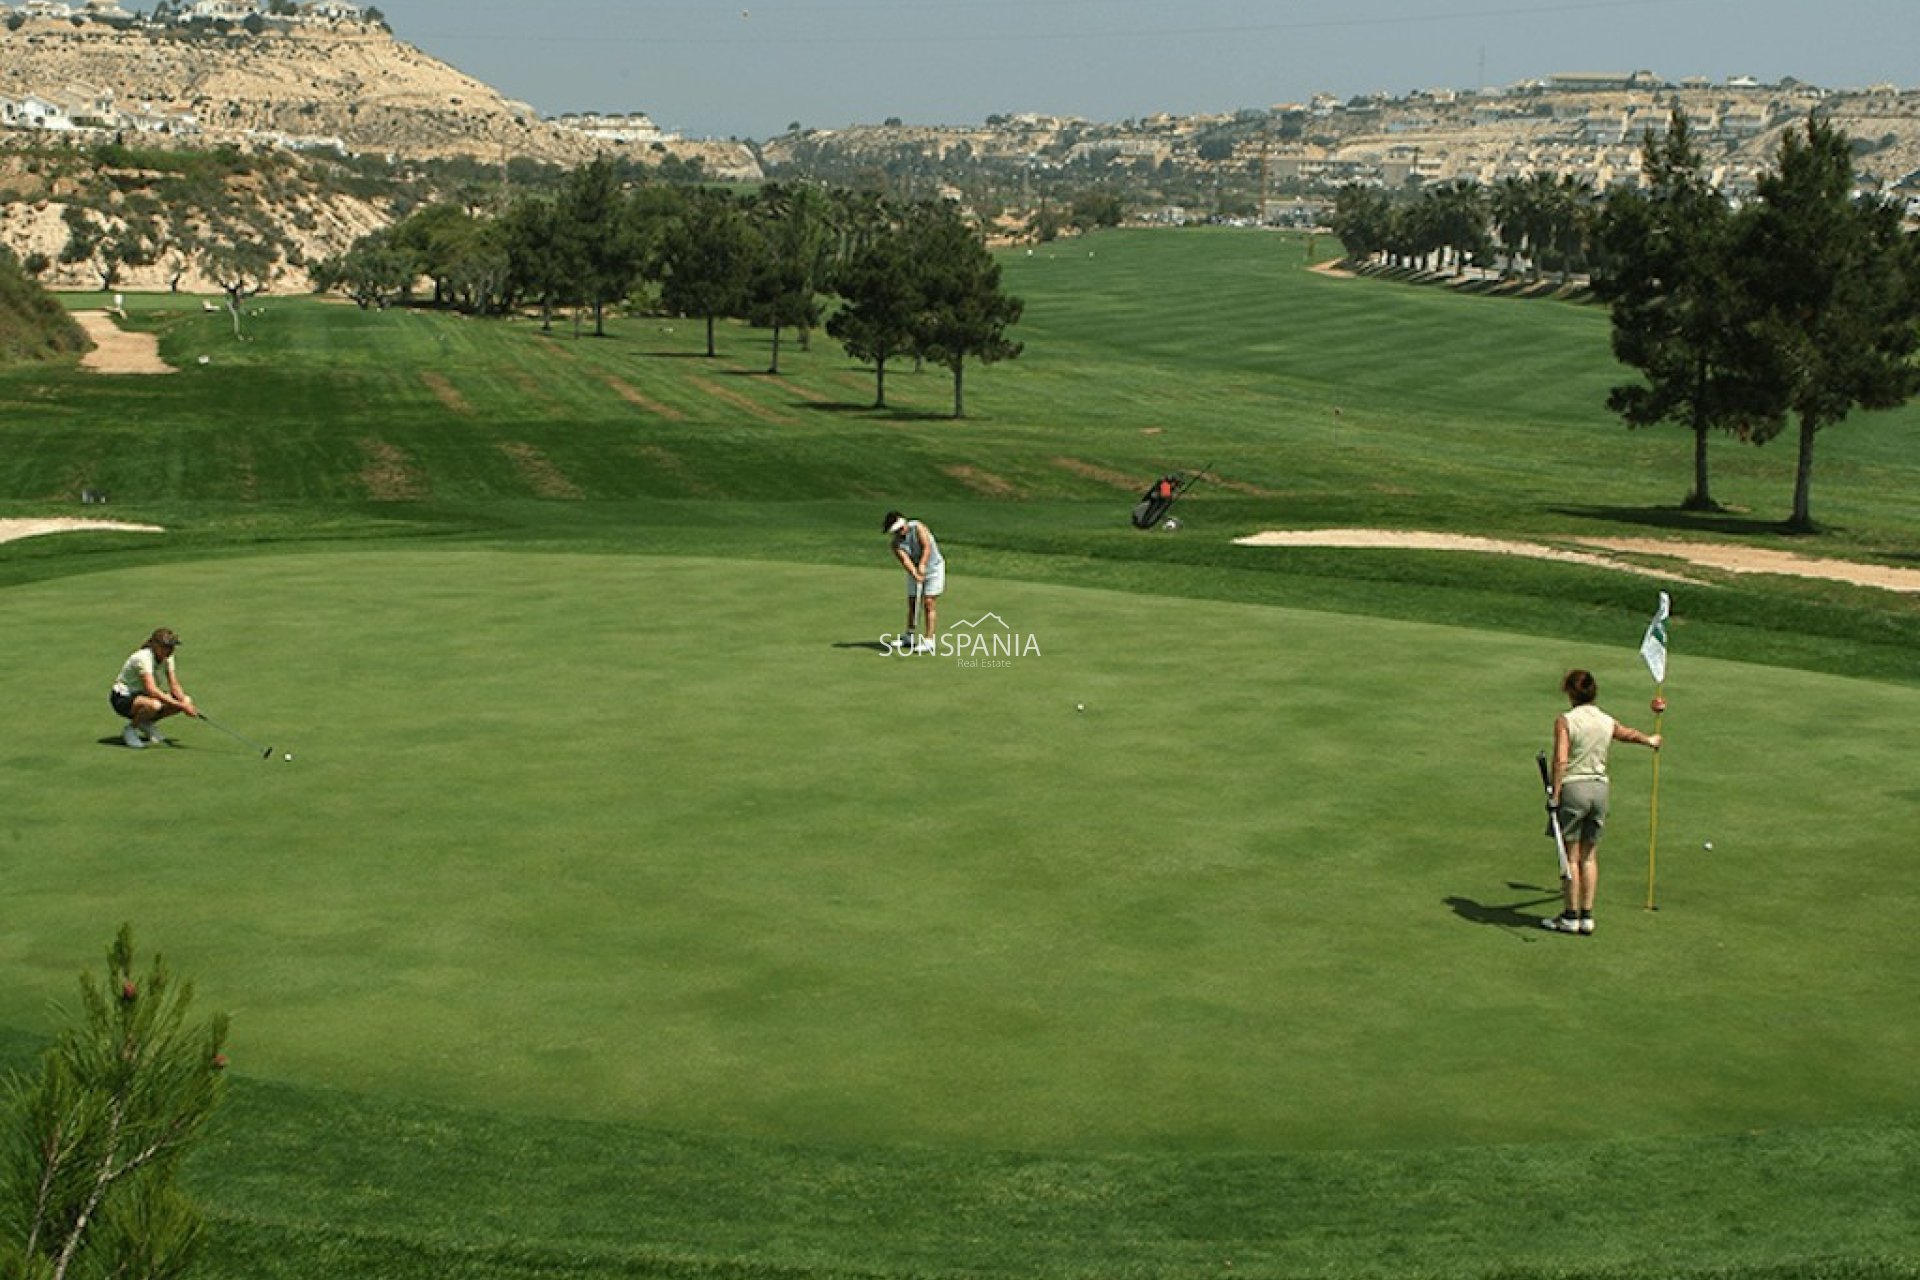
(12, 530)
(1421, 540)
(1606, 553)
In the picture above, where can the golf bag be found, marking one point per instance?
(1159, 498)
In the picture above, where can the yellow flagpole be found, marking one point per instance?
(1653, 822)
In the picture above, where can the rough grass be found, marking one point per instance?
(34, 327)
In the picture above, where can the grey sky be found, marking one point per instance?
(747, 68)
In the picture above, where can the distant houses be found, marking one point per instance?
(632, 128)
(331, 12)
(78, 107)
(218, 10)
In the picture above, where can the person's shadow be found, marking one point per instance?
(1506, 915)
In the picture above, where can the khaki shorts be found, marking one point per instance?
(1583, 809)
(936, 582)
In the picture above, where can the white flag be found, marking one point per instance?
(1653, 649)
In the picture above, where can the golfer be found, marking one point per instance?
(137, 693)
(918, 553)
(1581, 739)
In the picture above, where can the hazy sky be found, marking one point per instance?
(748, 68)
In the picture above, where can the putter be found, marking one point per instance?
(1553, 819)
(266, 753)
(915, 613)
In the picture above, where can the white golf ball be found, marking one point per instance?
(1079, 706)
(289, 755)
(1707, 845)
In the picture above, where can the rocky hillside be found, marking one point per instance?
(348, 86)
(160, 136)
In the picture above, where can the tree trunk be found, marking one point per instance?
(774, 367)
(1802, 520)
(1701, 499)
(880, 383)
(959, 400)
(710, 350)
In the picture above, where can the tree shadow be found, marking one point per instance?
(878, 415)
(872, 645)
(1679, 519)
(1507, 915)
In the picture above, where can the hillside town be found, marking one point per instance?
(71, 106)
(1587, 127)
(328, 75)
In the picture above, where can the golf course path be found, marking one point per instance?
(1713, 555)
(117, 351)
(11, 530)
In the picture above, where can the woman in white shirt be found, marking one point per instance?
(1581, 739)
(137, 693)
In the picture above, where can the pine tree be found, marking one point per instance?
(93, 1144)
(1676, 312)
(1833, 282)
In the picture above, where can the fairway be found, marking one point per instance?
(671, 841)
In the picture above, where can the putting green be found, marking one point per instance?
(672, 841)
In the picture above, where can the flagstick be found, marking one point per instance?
(1653, 822)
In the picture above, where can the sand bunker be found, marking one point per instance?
(117, 351)
(11, 530)
(1605, 554)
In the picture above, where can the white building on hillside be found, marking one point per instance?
(334, 11)
(38, 111)
(214, 10)
(636, 127)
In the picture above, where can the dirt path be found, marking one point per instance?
(10, 530)
(1605, 554)
(117, 351)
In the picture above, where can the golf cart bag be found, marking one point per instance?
(1158, 499)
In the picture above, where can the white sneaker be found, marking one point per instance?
(1560, 924)
(153, 737)
(131, 736)
(925, 646)
(1586, 924)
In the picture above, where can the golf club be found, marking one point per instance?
(266, 753)
(1553, 819)
(916, 608)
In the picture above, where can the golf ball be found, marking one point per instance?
(1707, 845)
(289, 755)
(1079, 706)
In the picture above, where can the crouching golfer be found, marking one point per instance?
(137, 694)
(1581, 739)
(919, 555)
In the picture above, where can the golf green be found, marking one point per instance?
(673, 841)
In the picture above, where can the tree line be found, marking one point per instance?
(1785, 312)
(889, 280)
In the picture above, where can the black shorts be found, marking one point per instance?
(122, 703)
